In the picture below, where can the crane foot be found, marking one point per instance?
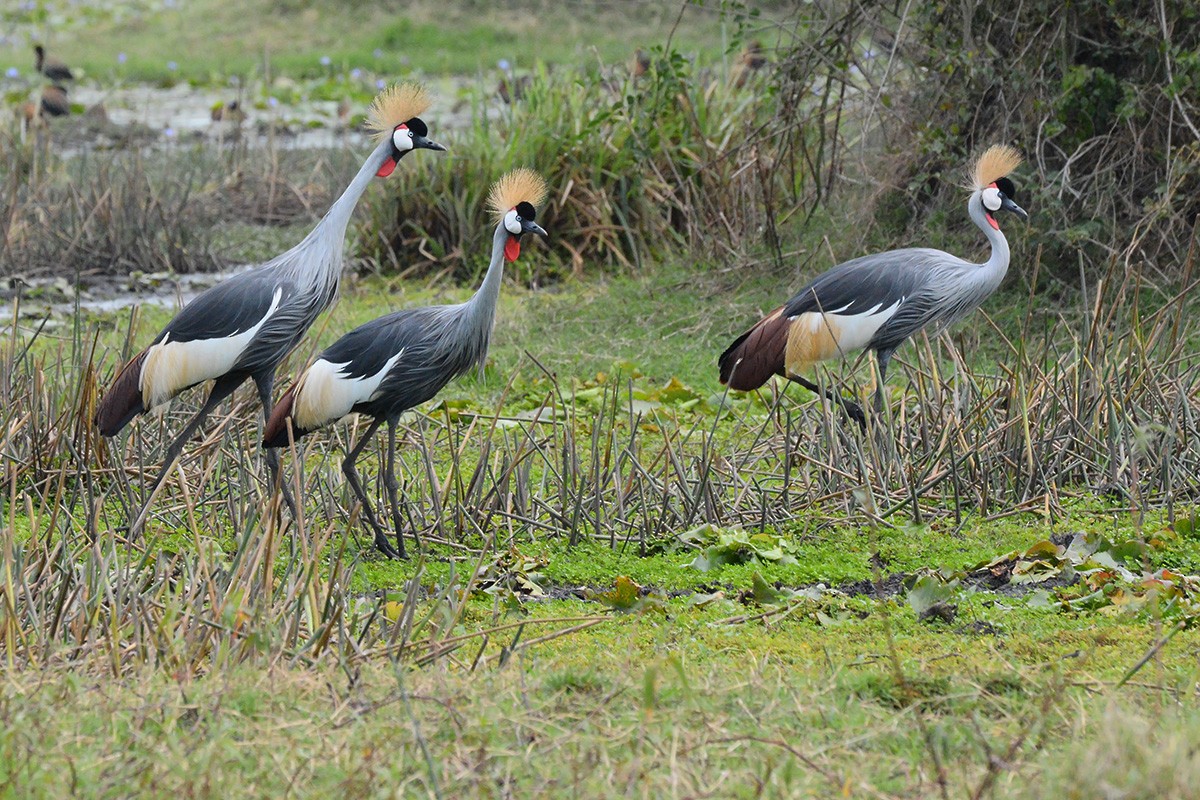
(385, 547)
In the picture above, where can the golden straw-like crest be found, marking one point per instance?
(996, 162)
(521, 184)
(395, 104)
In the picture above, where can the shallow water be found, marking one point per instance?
(183, 112)
(57, 298)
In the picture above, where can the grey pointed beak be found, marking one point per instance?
(533, 227)
(428, 144)
(1009, 205)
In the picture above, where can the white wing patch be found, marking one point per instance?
(171, 367)
(326, 395)
(852, 331)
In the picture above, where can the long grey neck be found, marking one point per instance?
(332, 227)
(483, 304)
(997, 263)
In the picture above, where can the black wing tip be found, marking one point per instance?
(728, 360)
(111, 427)
(284, 436)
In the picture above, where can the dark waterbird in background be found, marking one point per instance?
(49, 66)
(243, 327)
(396, 362)
(876, 302)
(52, 102)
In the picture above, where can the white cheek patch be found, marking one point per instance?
(402, 138)
(512, 222)
(991, 198)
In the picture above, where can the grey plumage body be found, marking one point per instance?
(392, 364)
(435, 345)
(398, 361)
(243, 327)
(874, 302)
(934, 288)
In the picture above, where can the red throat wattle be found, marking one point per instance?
(992, 221)
(512, 248)
(388, 167)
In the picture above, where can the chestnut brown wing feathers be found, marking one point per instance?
(276, 432)
(757, 354)
(123, 401)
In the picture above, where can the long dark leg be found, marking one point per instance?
(381, 540)
(883, 357)
(221, 389)
(393, 486)
(852, 409)
(264, 384)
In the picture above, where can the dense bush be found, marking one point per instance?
(876, 107)
(634, 165)
(103, 213)
(1103, 96)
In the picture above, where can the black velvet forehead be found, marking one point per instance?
(417, 126)
(1006, 186)
(526, 211)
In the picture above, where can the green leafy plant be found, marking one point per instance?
(720, 546)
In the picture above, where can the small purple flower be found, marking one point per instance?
(122, 58)
(326, 61)
(169, 132)
(380, 83)
(504, 65)
(12, 72)
(378, 53)
(171, 65)
(356, 73)
(272, 101)
(869, 53)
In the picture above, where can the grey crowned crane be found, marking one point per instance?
(51, 67)
(243, 327)
(396, 362)
(876, 302)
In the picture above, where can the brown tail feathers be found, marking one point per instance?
(757, 354)
(276, 432)
(123, 400)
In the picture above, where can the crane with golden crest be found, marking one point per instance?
(396, 362)
(878, 301)
(243, 327)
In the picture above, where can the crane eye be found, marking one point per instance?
(991, 198)
(512, 222)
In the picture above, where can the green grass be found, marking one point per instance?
(708, 690)
(224, 656)
(665, 705)
(208, 39)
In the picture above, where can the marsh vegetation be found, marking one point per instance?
(631, 580)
